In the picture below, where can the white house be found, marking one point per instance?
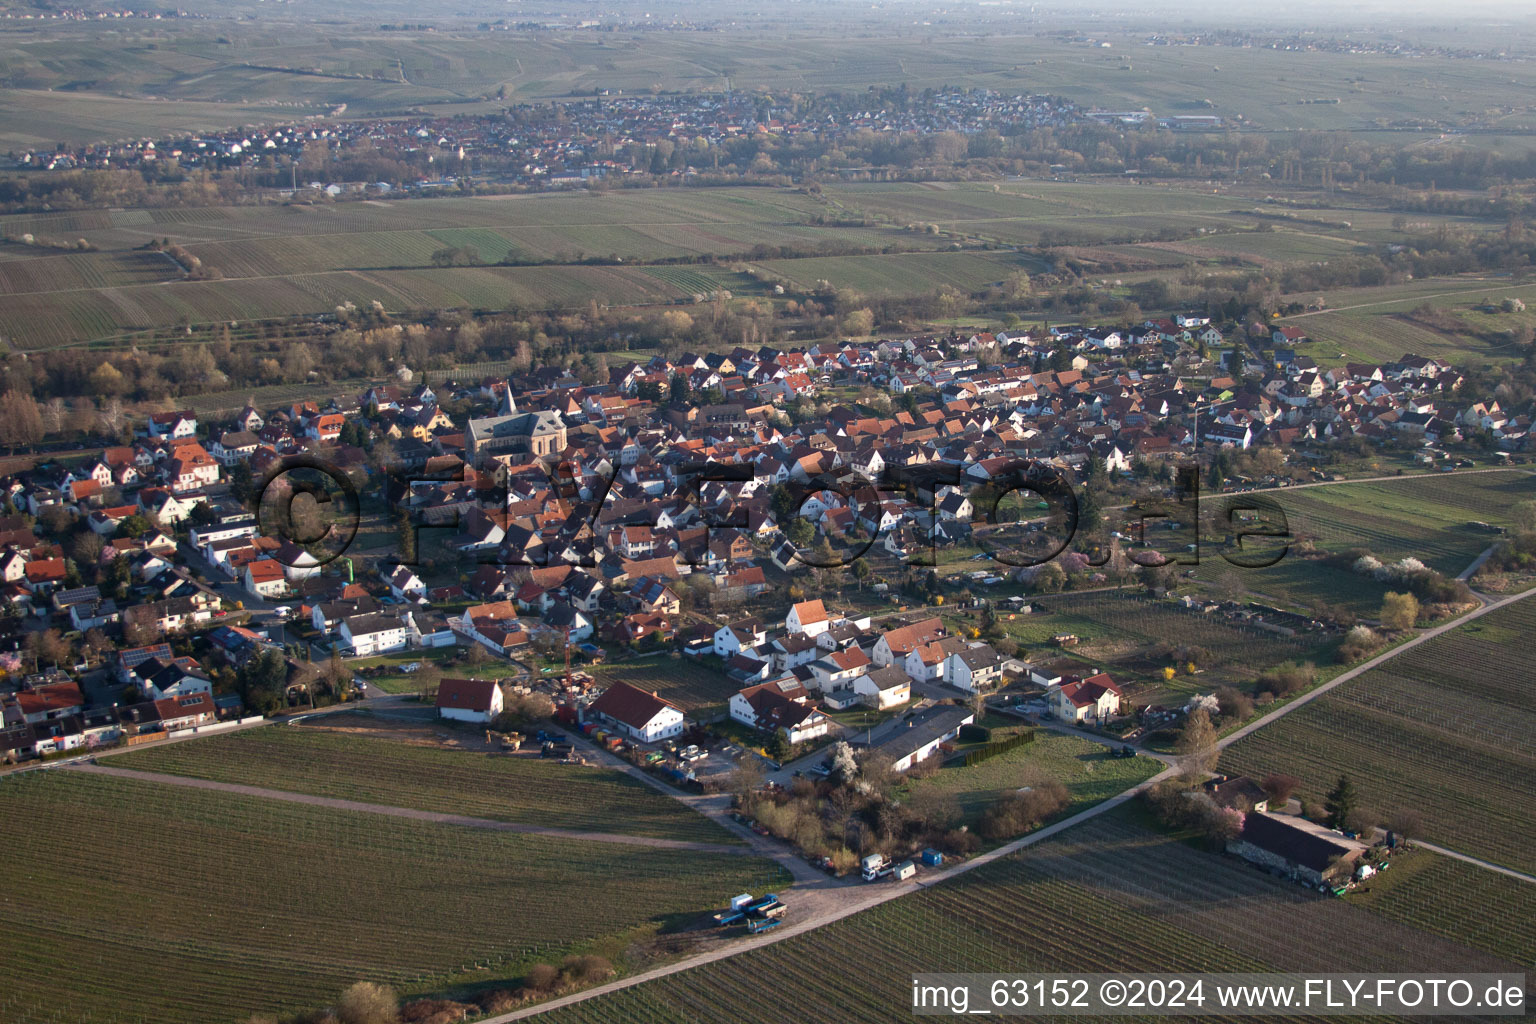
(644, 717)
(169, 425)
(808, 617)
(926, 731)
(978, 667)
(469, 700)
(925, 662)
(736, 637)
(406, 585)
(837, 670)
(883, 688)
(896, 644)
(373, 633)
(780, 705)
(1087, 700)
(264, 579)
(297, 563)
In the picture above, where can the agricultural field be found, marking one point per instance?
(1423, 517)
(1107, 896)
(1117, 629)
(1445, 729)
(903, 273)
(1282, 245)
(398, 773)
(264, 66)
(688, 682)
(1370, 325)
(1451, 898)
(283, 259)
(274, 907)
(1298, 584)
(1087, 769)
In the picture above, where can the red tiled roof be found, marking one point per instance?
(630, 705)
(1088, 691)
(466, 694)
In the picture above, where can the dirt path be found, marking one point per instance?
(433, 817)
(850, 899)
(1398, 301)
(1475, 861)
(829, 903)
(1366, 666)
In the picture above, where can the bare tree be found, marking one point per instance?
(368, 1003)
(1197, 748)
(21, 422)
(1407, 824)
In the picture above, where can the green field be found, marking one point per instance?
(1423, 517)
(1086, 768)
(1445, 729)
(1369, 325)
(1116, 629)
(400, 774)
(1107, 896)
(170, 905)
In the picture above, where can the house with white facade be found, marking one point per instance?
(780, 706)
(808, 617)
(469, 700)
(736, 637)
(1086, 700)
(373, 633)
(923, 733)
(977, 667)
(641, 715)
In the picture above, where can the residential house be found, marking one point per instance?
(922, 733)
(780, 706)
(469, 700)
(976, 668)
(896, 644)
(643, 716)
(882, 688)
(376, 633)
(808, 617)
(1091, 700)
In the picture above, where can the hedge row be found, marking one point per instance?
(980, 754)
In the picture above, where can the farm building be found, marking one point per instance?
(1299, 847)
(645, 717)
(1239, 793)
(469, 700)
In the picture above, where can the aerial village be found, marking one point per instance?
(559, 539)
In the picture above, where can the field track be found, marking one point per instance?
(861, 899)
(432, 817)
